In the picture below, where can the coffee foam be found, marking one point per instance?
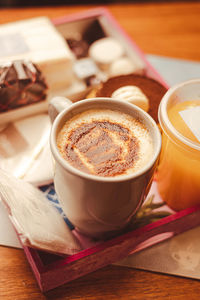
(104, 142)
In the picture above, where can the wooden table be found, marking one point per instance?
(170, 29)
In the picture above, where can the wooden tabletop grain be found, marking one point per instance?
(170, 29)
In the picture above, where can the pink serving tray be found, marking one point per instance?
(52, 271)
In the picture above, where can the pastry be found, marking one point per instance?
(150, 87)
(123, 66)
(132, 94)
(39, 41)
(21, 83)
(106, 50)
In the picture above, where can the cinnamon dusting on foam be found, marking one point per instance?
(105, 143)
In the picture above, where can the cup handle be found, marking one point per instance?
(56, 105)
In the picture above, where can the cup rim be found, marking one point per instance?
(79, 173)
(163, 118)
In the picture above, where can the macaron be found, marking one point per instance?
(105, 51)
(123, 66)
(133, 95)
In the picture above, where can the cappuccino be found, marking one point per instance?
(105, 143)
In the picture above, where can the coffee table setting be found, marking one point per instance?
(93, 195)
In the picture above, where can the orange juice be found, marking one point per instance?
(178, 174)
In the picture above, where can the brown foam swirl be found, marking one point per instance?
(103, 148)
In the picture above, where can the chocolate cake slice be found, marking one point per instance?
(21, 83)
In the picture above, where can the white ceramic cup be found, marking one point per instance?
(100, 206)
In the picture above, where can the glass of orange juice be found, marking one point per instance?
(178, 175)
